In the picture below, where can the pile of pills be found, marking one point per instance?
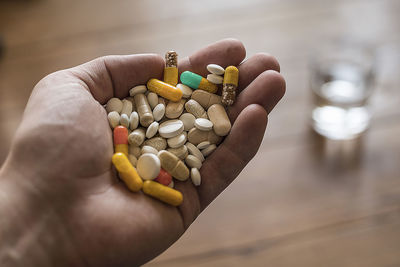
(164, 130)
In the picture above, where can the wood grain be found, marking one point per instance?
(302, 201)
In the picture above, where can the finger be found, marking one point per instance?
(266, 90)
(224, 53)
(228, 160)
(254, 66)
(113, 76)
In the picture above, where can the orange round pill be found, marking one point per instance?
(163, 177)
(120, 135)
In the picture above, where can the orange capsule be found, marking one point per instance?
(163, 177)
(121, 140)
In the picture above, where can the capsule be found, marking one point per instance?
(144, 110)
(163, 193)
(230, 83)
(196, 81)
(164, 89)
(127, 172)
(121, 140)
(163, 177)
(171, 68)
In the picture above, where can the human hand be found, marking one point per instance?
(72, 208)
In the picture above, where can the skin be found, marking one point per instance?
(61, 202)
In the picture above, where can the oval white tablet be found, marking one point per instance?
(177, 141)
(152, 98)
(171, 128)
(188, 120)
(207, 151)
(148, 166)
(195, 176)
(158, 112)
(134, 120)
(203, 124)
(124, 120)
(140, 89)
(114, 104)
(203, 145)
(193, 150)
(113, 119)
(215, 69)
(192, 162)
(152, 129)
(216, 79)
(149, 149)
(186, 90)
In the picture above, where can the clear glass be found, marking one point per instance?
(342, 80)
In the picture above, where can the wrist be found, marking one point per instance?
(32, 233)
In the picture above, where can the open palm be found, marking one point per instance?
(64, 145)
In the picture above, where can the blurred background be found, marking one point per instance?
(303, 200)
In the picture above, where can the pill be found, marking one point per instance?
(193, 162)
(113, 119)
(152, 98)
(208, 150)
(215, 69)
(114, 104)
(163, 177)
(170, 128)
(215, 79)
(158, 112)
(162, 100)
(152, 129)
(148, 166)
(180, 152)
(196, 136)
(121, 140)
(163, 193)
(174, 109)
(135, 150)
(173, 165)
(203, 124)
(218, 116)
(196, 109)
(230, 83)
(203, 145)
(134, 120)
(132, 160)
(206, 99)
(124, 120)
(171, 68)
(127, 172)
(149, 149)
(195, 81)
(186, 90)
(188, 121)
(130, 99)
(136, 137)
(140, 89)
(171, 184)
(195, 176)
(158, 143)
(164, 89)
(177, 141)
(193, 150)
(126, 107)
(144, 110)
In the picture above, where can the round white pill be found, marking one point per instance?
(171, 128)
(192, 162)
(114, 104)
(188, 120)
(207, 151)
(195, 176)
(158, 112)
(152, 129)
(149, 149)
(203, 124)
(148, 166)
(134, 120)
(193, 150)
(203, 145)
(177, 141)
(124, 120)
(113, 119)
(186, 90)
(140, 89)
(216, 79)
(152, 98)
(215, 69)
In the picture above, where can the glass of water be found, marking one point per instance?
(342, 79)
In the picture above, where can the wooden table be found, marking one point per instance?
(302, 201)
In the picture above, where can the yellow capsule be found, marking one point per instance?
(164, 89)
(229, 85)
(122, 148)
(127, 172)
(163, 193)
(231, 76)
(171, 68)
